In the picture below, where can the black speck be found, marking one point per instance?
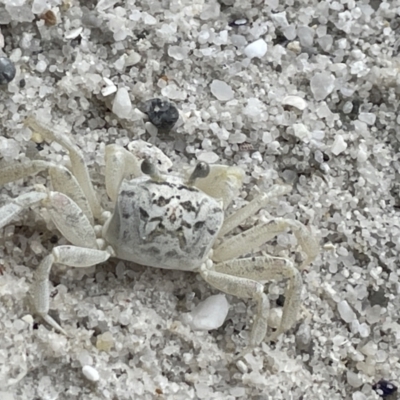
(280, 301)
(22, 83)
(142, 35)
(39, 147)
(143, 213)
(54, 239)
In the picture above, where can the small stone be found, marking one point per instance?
(209, 314)
(162, 114)
(173, 92)
(359, 396)
(209, 157)
(9, 148)
(353, 379)
(90, 373)
(267, 137)
(221, 90)
(373, 314)
(49, 18)
(41, 66)
(303, 337)
(74, 33)
(109, 87)
(179, 53)
(7, 70)
(368, 118)
(254, 108)
(322, 85)
(122, 105)
(306, 35)
(339, 145)
(347, 107)
(148, 19)
(256, 49)
(346, 312)
(326, 42)
(302, 132)
(105, 341)
(210, 11)
(295, 101)
(150, 128)
(132, 59)
(274, 318)
(6, 396)
(239, 22)
(280, 19)
(241, 366)
(364, 330)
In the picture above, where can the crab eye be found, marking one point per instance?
(201, 170)
(148, 168)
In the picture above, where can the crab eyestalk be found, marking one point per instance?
(150, 169)
(201, 171)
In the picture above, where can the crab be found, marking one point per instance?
(163, 220)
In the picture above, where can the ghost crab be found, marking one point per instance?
(160, 220)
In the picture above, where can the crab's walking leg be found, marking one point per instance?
(242, 278)
(16, 206)
(253, 238)
(61, 178)
(252, 208)
(70, 220)
(78, 165)
(120, 164)
(71, 256)
(19, 171)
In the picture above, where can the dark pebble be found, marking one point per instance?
(7, 70)
(384, 388)
(162, 114)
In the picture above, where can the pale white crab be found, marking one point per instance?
(160, 220)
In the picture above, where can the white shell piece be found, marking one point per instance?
(110, 88)
(90, 373)
(209, 314)
(295, 101)
(74, 33)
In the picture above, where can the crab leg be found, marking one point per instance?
(78, 165)
(252, 208)
(16, 206)
(19, 171)
(71, 256)
(253, 238)
(242, 278)
(70, 220)
(120, 164)
(61, 178)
